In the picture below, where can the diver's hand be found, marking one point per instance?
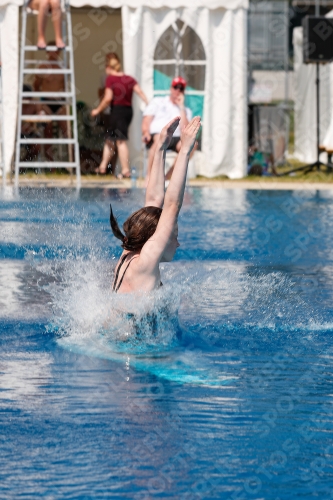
(167, 133)
(189, 134)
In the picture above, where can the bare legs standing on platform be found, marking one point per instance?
(44, 7)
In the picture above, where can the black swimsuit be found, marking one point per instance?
(116, 286)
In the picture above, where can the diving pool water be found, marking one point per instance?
(229, 396)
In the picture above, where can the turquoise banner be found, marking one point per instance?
(162, 83)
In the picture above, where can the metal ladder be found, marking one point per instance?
(2, 151)
(66, 98)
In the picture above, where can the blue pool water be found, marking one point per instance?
(232, 399)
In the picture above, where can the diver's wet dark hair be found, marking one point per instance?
(138, 228)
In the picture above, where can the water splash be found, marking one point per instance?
(202, 306)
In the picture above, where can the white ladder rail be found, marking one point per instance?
(66, 98)
(53, 71)
(48, 94)
(72, 83)
(19, 111)
(47, 118)
(51, 140)
(48, 164)
(49, 48)
(67, 89)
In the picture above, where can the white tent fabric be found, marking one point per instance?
(221, 25)
(328, 141)
(305, 102)
(9, 74)
(223, 34)
(154, 4)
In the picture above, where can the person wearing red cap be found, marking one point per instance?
(158, 113)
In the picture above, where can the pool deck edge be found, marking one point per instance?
(95, 182)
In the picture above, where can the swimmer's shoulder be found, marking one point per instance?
(137, 278)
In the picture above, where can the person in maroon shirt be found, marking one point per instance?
(119, 90)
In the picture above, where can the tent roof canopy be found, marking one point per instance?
(153, 4)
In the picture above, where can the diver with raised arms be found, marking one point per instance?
(151, 233)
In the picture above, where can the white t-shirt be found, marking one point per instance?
(163, 110)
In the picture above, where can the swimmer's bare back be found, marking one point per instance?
(138, 268)
(122, 269)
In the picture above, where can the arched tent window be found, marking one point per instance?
(179, 52)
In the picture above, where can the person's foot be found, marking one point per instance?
(124, 175)
(41, 44)
(99, 171)
(60, 44)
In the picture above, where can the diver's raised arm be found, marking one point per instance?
(175, 193)
(155, 188)
(153, 251)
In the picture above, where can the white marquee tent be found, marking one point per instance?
(220, 27)
(305, 103)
